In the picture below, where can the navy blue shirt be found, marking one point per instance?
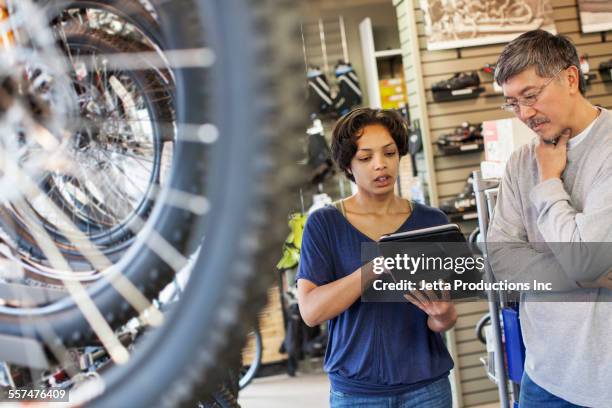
(373, 348)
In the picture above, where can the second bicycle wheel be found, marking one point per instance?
(121, 151)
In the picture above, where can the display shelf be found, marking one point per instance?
(388, 53)
(460, 150)
(606, 74)
(372, 60)
(272, 331)
(465, 216)
(589, 77)
(457, 94)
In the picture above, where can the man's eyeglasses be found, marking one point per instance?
(528, 100)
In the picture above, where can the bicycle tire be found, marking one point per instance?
(159, 99)
(135, 14)
(484, 320)
(221, 398)
(248, 375)
(286, 71)
(262, 77)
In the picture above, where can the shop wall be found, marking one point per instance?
(409, 44)
(451, 171)
(386, 36)
(448, 174)
(384, 22)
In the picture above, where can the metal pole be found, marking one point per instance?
(480, 185)
(304, 48)
(344, 44)
(323, 46)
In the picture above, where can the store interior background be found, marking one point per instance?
(398, 25)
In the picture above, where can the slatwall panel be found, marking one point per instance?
(405, 171)
(333, 44)
(272, 330)
(417, 104)
(476, 387)
(451, 171)
(439, 65)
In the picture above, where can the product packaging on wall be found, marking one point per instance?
(595, 15)
(467, 23)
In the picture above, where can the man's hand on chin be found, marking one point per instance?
(552, 157)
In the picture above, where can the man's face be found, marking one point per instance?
(549, 115)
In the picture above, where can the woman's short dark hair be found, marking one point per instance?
(350, 127)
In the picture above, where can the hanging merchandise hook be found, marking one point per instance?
(302, 201)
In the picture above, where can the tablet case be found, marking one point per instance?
(443, 241)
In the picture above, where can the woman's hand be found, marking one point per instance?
(321, 303)
(441, 311)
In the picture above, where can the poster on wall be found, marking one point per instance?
(595, 15)
(468, 23)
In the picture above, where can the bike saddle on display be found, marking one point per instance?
(466, 138)
(461, 80)
(463, 203)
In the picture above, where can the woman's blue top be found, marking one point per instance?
(374, 348)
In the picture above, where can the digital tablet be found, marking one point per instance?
(443, 248)
(439, 233)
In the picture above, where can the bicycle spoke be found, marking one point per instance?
(197, 204)
(116, 350)
(110, 188)
(91, 253)
(194, 203)
(184, 58)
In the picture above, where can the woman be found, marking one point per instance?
(378, 354)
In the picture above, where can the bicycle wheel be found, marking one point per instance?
(117, 15)
(480, 325)
(194, 305)
(241, 55)
(249, 370)
(121, 154)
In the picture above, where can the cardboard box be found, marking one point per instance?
(392, 105)
(491, 169)
(392, 93)
(391, 82)
(395, 98)
(391, 90)
(393, 101)
(502, 137)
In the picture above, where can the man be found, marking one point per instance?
(557, 189)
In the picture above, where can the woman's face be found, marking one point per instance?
(376, 162)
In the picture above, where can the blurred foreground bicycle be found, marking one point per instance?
(135, 137)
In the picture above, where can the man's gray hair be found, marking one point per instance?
(548, 53)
